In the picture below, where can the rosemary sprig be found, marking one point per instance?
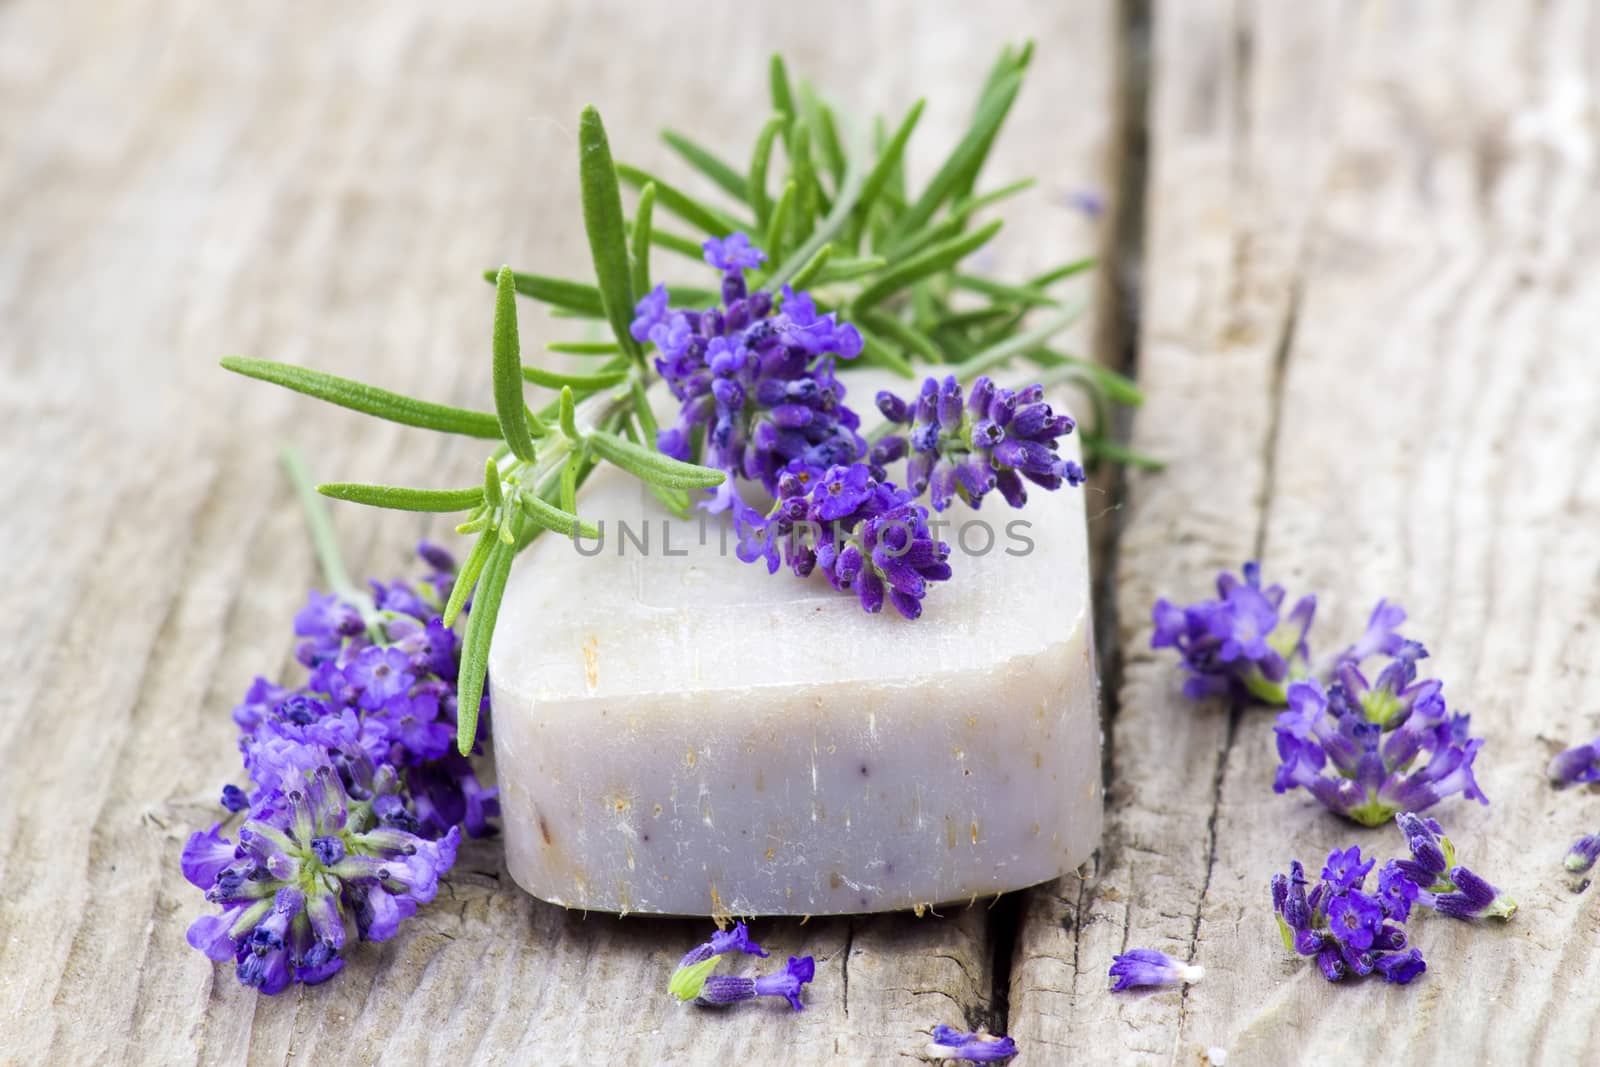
(842, 223)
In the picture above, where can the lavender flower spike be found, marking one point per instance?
(1148, 967)
(978, 1046)
(1585, 850)
(1580, 763)
(720, 989)
(698, 963)
(1442, 884)
(1239, 645)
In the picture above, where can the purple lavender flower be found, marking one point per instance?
(1369, 751)
(992, 439)
(1442, 884)
(755, 382)
(1396, 892)
(865, 536)
(721, 989)
(1239, 645)
(1382, 636)
(1346, 930)
(295, 879)
(1584, 851)
(1580, 763)
(689, 978)
(357, 798)
(978, 1046)
(1149, 967)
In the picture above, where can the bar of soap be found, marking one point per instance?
(679, 732)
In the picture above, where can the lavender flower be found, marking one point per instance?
(1149, 967)
(1381, 637)
(1584, 851)
(864, 535)
(978, 1046)
(754, 380)
(1441, 884)
(1580, 763)
(1239, 645)
(720, 989)
(294, 880)
(993, 439)
(1346, 930)
(358, 797)
(697, 964)
(1368, 751)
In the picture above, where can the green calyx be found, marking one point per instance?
(687, 982)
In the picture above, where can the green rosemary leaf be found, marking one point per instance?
(467, 577)
(478, 524)
(782, 97)
(1026, 295)
(878, 179)
(1006, 350)
(674, 500)
(569, 481)
(567, 414)
(1009, 64)
(877, 354)
(844, 269)
(672, 242)
(585, 382)
(585, 348)
(557, 292)
(602, 221)
(904, 334)
(953, 223)
(940, 257)
(641, 410)
(368, 399)
(804, 175)
(688, 296)
(319, 524)
(401, 498)
(759, 161)
(1066, 270)
(954, 344)
(475, 642)
(568, 313)
(1118, 388)
(708, 219)
(975, 317)
(1100, 446)
(508, 401)
(651, 465)
(550, 517)
(639, 234)
(707, 163)
(778, 223)
(838, 216)
(492, 494)
(960, 170)
(806, 274)
(828, 143)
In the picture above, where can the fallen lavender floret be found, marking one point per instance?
(966, 445)
(1149, 967)
(1347, 930)
(1584, 851)
(1441, 883)
(977, 1046)
(1580, 763)
(1368, 751)
(722, 989)
(1240, 644)
(697, 964)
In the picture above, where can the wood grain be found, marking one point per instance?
(1367, 337)
(322, 184)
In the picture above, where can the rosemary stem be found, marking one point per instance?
(325, 542)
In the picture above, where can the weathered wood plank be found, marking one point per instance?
(1366, 347)
(322, 184)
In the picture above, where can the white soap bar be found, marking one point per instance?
(679, 732)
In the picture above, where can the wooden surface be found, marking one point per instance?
(1358, 290)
